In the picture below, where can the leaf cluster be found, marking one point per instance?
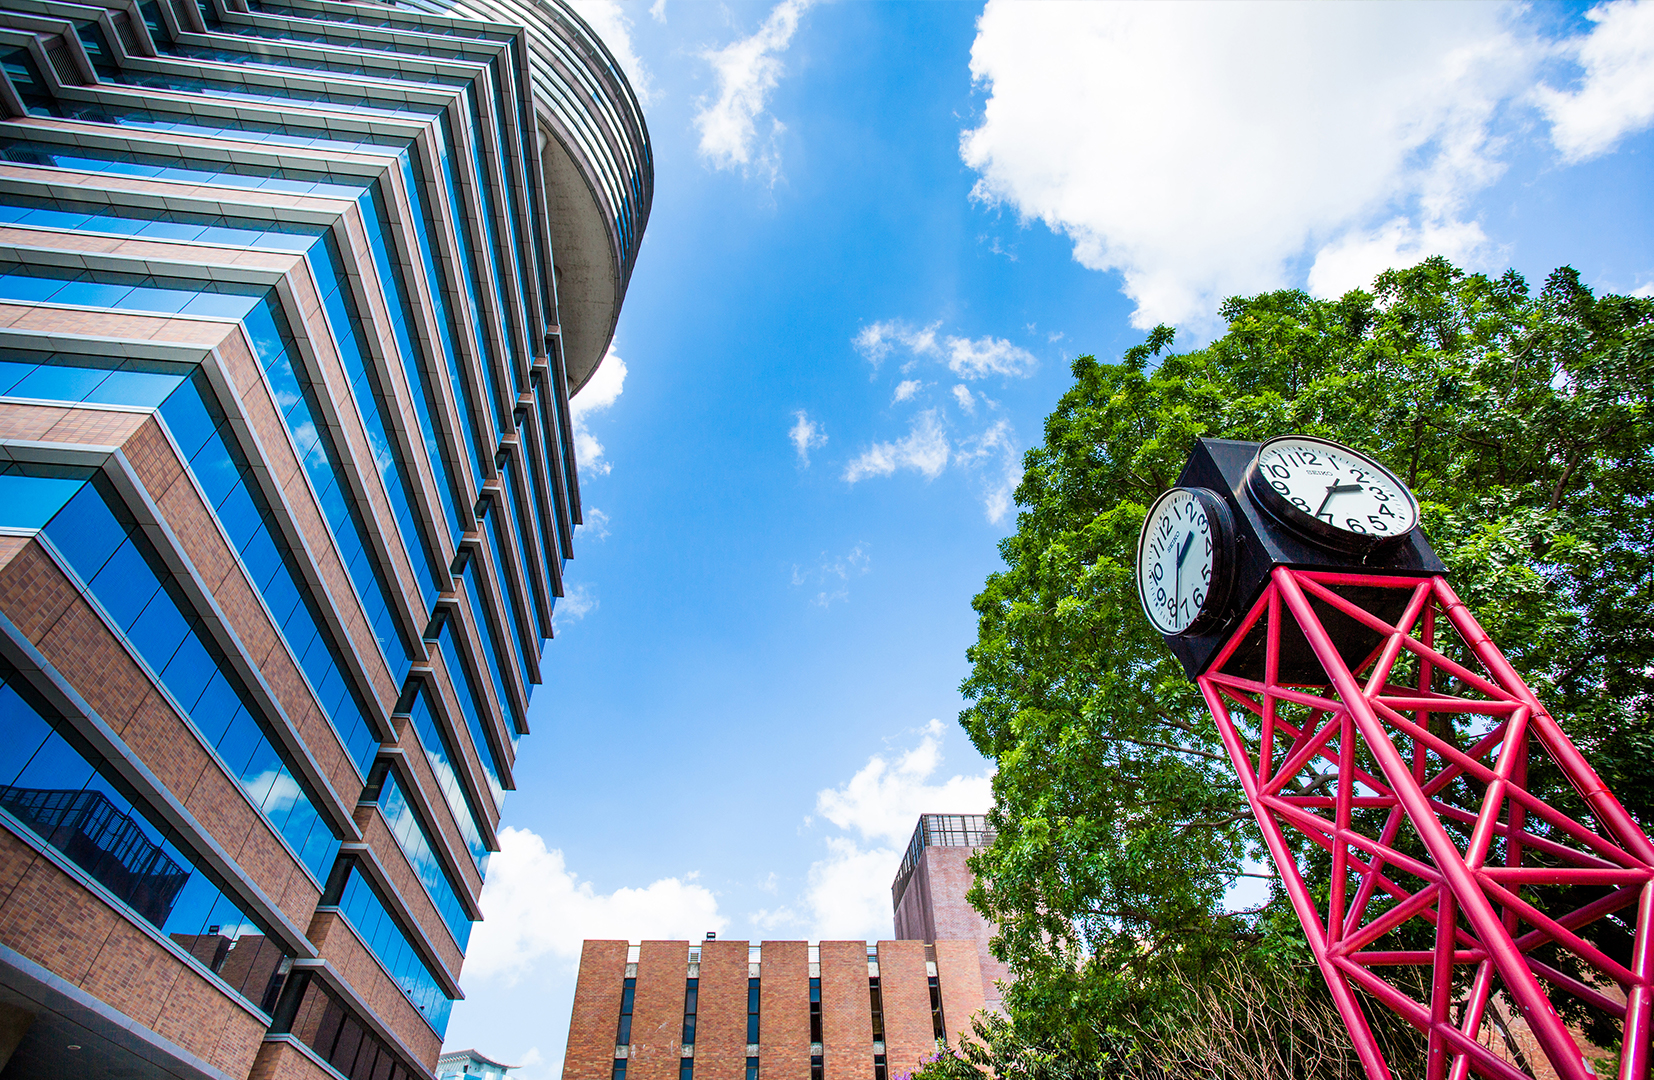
(1525, 425)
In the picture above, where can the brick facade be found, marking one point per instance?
(908, 1034)
(592, 1023)
(846, 1011)
(721, 1023)
(657, 1010)
(784, 1009)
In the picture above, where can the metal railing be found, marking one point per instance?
(939, 830)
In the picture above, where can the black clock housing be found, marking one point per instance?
(1261, 543)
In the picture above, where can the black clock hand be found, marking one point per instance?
(1335, 489)
(1182, 553)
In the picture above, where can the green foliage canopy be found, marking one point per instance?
(1525, 425)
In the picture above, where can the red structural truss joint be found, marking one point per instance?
(1432, 831)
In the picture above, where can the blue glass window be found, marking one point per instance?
(471, 704)
(480, 447)
(524, 534)
(415, 839)
(361, 904)
(203, 434)
(494, 530)
(371, 404)
(65, 792)
(296, 394)
(377, 224)
(153, 222)
(39, 283)
(439, 751)
(493, 653)
(99, 540)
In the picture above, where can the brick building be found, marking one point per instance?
(293, 296)
(928, 894)
(837, 1010)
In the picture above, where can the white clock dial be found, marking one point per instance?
(1332, 492)
(1183, 560)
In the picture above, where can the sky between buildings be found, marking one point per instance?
(880, 232)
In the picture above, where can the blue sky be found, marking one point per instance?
(879, 234)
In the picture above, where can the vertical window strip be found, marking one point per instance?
(875, 995)
(416, 841)
(486, 357)
(478, 447)
(493, 252)
(377, 224)
(471, 705)
(362, 906)
(440, 753)
(493, 529)
(752, 1011)
(511, 173)
(99, 540)
(374, 407)
(546, 510)
(525, 531)
(815, 1010)
(691, 1003)
(937, 1027)
(274, 345)
(551, 440)
(203, 434)
(491, 650)
(623, 1030)
(70, 796)
(325, 1024)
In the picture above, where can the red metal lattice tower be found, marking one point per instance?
(1448, 832)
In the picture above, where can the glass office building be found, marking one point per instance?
(293, 296)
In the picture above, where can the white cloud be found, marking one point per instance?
(536, 910)
(925, 449)
(830, 578)
(614, 26)
(876, 340)
(1201, 149)
(657, 11)
(602, 391)
(575, 604)
(988, 356)
(595, 526)
(995, 452)
(904, 390)
(805, 435)
(962, 394)
(747, 71)
(1354, 259)
(848, 892)
(1616, 95)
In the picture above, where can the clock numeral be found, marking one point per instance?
(1355, 525)
(1378, 523)
(1380, 494)
(1385, 510)
(1159, 571)
(1300, 504)
(1279, 472)
(1360, 476)
(1282, 488)
(1200, 598)
(1160, 596)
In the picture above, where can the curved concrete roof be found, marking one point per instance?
(598, 166)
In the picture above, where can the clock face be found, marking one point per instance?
(1332, 493)
(1183, 560)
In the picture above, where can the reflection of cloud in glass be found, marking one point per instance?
(309, 443)
(381, 456)
(274, 790)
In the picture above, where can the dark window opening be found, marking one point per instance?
(877, 997)
(936, 1026)
(815, 1067)
(686, 1069)
(320, 1020)
(623, 1034)
(752, 1024)
(691, 992)
(879, 1071)
(752, 1068)
(620, 1069)
(815, 1010)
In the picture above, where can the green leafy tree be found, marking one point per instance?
(1524, 425)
